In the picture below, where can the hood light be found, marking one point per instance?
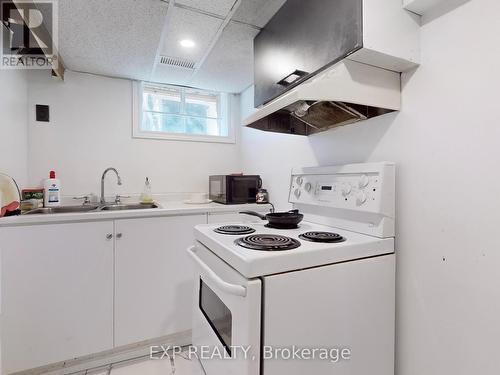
(292, 77)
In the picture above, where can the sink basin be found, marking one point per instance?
(133, 206)
(62, 210)
(90, 208)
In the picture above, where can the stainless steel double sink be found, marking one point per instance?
(91, 208)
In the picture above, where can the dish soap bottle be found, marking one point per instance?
(147, 195)
(52, 191)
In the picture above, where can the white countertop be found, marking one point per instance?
(167, 208)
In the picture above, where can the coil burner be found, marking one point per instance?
(268, 242)
(328, 237)
(234, 229)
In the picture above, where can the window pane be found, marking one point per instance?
(205, 126)
(180, 110)
(147, 122)
(167, 100)
(159, 122)
(201, 104)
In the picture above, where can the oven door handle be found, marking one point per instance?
(222, 285)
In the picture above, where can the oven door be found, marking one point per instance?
(226, 316)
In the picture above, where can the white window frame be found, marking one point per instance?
(137, 132)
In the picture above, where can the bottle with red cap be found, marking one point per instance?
(52, 191)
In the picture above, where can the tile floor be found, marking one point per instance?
(180, 365)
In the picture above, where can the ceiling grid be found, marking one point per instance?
(127, 39)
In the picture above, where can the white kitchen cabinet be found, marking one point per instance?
(153, 277)
(57, 292)
(73, 289)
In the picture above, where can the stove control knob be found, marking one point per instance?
(346, 190)
(360, 198)
(297, 193)
(364, 181)
(299, 180)
(308, 187)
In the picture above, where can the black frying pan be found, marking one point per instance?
(279, 220)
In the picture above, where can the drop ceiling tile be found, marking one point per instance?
(220, 7)
(171, 75)
(112, 37)
(257, 12)
(186, 24)
(229, 67)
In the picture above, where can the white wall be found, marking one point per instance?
(13, 124)
(272, 155)
(13, 129)
(446, 142)
(90, 130)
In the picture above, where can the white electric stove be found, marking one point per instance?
(262, 292)
(253, 263)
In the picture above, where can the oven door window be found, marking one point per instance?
(217, 314)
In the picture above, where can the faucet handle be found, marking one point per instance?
(118, 198)
(86, 198)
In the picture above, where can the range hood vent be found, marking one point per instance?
(345, 93)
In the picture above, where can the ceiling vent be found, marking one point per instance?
(177, 62)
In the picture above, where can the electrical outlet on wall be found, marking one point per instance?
(42, 113)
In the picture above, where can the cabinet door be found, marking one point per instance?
(153, 277)
(57, 293)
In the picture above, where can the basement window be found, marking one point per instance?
(181, 113)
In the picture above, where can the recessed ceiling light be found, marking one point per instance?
(187, 43)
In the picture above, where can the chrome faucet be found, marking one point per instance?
(103, 199)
